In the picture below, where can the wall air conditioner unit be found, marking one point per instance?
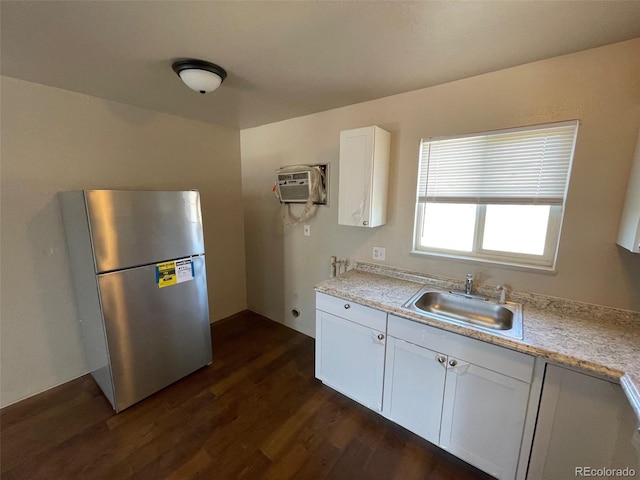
(294, 187)
(302, 184)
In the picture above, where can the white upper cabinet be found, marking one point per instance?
(629, 235)
(364, 177)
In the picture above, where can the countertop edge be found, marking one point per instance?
(630, 388)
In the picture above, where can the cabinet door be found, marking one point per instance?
(364, 177)
(483, 417)
(629, 234)
(350, 358)
(414, 387)
(356, 163)
(583, 422)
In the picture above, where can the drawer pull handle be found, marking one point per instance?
(442, 359)
(453, 363)
(380, 336)
(347, 306)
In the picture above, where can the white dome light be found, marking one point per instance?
(200, 76)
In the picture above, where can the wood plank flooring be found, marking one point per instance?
(256, 413)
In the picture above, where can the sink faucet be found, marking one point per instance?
(468, 285)
(503, 294)
(468, 290)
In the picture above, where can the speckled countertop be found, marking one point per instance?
(600, 340)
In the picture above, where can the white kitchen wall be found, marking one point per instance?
(601, 87)
(54, 140)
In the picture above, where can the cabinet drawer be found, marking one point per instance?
(499, 359)
(366, 316)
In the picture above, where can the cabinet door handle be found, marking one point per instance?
(365, 223)
(441, 359)
(380, 336)
(347, 306)
(453, 362)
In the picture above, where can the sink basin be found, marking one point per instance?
(458, 308)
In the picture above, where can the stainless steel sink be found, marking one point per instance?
(468, 310)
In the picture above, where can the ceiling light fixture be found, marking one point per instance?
(198, 75)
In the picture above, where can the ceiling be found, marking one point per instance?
(289, 58)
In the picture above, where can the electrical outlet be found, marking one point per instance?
(307, 230)
(379, 253)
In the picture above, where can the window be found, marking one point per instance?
(496, 196)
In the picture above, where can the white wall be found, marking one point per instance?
(54, 140)
(600, 87)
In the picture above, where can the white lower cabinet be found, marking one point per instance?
(483, 418)
(585, 424)
(414, 388)
(469, 397)
(480, 402)
(466, 396)
(350, 349)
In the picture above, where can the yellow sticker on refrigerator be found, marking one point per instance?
(175, 271)
(166, 274)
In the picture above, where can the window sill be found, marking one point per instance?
(489, 262)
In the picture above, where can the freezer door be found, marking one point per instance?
(132, 228)
(155, 335)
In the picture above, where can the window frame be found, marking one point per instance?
(545, 262)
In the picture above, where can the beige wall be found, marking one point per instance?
(601, 87)
(55, 140)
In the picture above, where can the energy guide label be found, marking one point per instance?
(184, 270)
(175, 271)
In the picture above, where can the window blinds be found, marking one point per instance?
(517, 166)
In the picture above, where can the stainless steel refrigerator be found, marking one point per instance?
(139, 271)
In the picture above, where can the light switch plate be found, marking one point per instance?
(307, 230)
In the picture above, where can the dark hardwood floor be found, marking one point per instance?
(256, 412)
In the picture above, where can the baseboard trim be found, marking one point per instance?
(230, 317)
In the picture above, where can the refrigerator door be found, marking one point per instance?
(155, 335)
(130, 228)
